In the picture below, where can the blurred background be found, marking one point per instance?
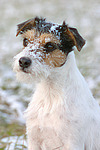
(14, 96)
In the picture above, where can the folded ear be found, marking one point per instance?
(78, 40)
(27, 25)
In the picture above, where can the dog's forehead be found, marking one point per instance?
(43, 38)
(40, 25)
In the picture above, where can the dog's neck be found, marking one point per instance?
(64, 86)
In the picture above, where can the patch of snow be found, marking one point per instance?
(14, 142)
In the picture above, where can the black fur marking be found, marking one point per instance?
(66, 42)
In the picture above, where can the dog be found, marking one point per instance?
(62, 115)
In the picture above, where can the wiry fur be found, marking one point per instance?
(62, 114)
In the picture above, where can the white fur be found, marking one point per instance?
(62, 114)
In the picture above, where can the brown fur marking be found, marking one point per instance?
(55, 58)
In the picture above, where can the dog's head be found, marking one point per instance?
(45, 46)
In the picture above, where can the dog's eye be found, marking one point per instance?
(25, 42)
(49, 47)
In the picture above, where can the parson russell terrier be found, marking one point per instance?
(62, 115)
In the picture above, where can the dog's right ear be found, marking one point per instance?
(27, 25)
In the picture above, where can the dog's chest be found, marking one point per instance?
(47, 129)
(55, 120)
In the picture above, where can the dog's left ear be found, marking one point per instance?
(72, 36)
(78, 40)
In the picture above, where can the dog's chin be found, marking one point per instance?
(25, 76)
(31, 75)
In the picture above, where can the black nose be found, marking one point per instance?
(24, 62)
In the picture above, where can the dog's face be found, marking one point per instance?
(45, 47)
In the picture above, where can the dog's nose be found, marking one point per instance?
(24, 62)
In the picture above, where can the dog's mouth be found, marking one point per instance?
(24, 70)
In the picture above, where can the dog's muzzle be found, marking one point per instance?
(24, 63)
